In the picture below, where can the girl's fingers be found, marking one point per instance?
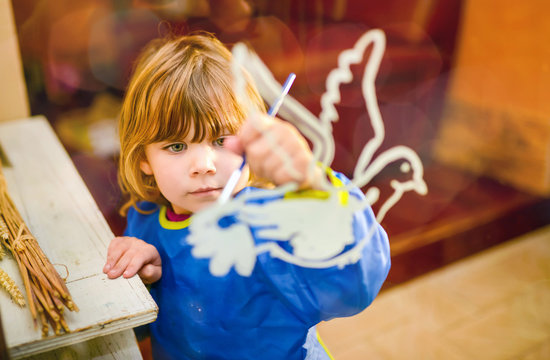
(133, 266)
(255, 128)
(277, 151)
(140, 257)
(120, 266)
(128, 256)
(116, 248)
(257, 153)
(288, 163)
(234, 144)
(150, 273)
(119, 255)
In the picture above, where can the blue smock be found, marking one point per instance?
(269, 315)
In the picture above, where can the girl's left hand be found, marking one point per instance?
(275, 150)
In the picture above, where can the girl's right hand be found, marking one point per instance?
(128, 256)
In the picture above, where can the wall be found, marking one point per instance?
(496, 119)
(13, 94)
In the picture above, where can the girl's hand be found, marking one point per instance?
(272, 144)
(127, 256)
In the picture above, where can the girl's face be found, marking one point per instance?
(191, 176)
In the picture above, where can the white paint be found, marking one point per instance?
(316, 230)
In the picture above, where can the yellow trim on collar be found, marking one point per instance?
(171, 225)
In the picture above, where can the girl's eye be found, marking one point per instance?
(177, 147)
(219, 141)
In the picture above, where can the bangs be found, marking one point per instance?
(203, 101)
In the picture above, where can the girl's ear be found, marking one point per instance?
(145, 167)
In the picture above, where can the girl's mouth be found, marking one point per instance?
(210, 191)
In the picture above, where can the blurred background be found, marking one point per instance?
(463, 83)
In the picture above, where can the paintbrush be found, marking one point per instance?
(236, 175)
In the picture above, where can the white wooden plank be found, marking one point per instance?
(61, 213)
(119, 346)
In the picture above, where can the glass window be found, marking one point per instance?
(462, 84)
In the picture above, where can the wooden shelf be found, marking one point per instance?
(70, 229)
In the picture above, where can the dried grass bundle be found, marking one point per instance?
(47, 294)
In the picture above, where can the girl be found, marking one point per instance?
(178, 119)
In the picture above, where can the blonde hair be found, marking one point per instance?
(178, 83)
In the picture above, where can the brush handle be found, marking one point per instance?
(236, 175)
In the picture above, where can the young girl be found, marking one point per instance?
(178, 118)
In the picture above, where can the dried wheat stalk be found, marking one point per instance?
(47, 294)
(7, 283)
(4, 236)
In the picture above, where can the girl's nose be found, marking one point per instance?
(202, 161)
